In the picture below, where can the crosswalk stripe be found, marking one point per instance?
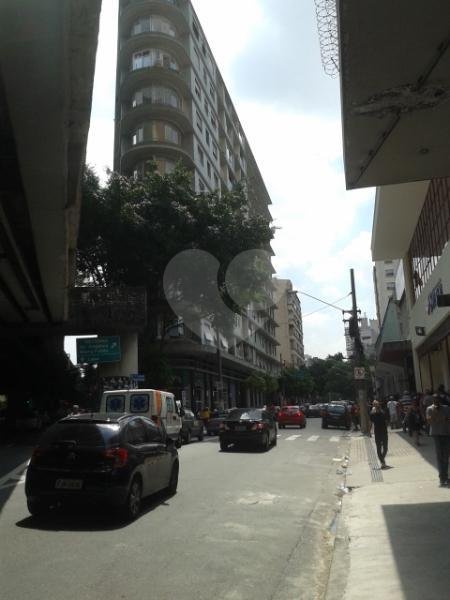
(293, 437)
(313, 438)
(334, 438)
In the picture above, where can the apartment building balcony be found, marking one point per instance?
(176, 47)
(156, 112)
(133, 155)
(173, 10)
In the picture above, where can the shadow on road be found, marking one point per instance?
(426, 449)
(71, 518)
(420, 544)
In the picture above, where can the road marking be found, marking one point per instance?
(291, 438)
(16, 473)
(334, 438)
(313, 438)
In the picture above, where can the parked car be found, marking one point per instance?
(248, 426)
(191, 426)
(213, 424)
(336, 415)
(108, 459)
(291, 415)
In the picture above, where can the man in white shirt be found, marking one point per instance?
(392, 406)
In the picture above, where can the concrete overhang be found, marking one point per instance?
(395, 90)
(397, 210)
(47, 52)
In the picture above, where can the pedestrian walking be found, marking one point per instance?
(438, 417)
(354, 411)
(415, 422)
(393, 409)
(379, 421)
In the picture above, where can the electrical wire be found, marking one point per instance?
(328, 304)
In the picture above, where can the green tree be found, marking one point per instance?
(131, 229)
(297, 383)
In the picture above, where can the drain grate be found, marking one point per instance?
(375, 470)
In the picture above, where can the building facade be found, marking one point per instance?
(384, 276)
(172, 105)
(288, 315)
(416, 227)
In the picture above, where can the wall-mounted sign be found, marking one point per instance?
(359, 373)
(437, 291)
(420, 331)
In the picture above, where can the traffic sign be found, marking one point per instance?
(98, 350)
(359, 373)
(137, 377)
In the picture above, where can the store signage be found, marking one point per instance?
(437, 291)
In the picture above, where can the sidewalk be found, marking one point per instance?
(393, 540)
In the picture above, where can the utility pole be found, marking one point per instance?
(358, 360)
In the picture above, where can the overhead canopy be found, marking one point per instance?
(397, 210)
(395, 90)
(47, 51)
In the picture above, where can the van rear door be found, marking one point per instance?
(172, 418)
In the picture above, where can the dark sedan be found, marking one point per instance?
(336, 415)
(248, 426)
(108, 459)
(191, 427)
(214, 423)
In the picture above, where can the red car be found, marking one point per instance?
(291, 415)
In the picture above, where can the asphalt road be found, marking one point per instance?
(243, 526)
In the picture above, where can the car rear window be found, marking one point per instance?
(244, 415)
(139, 403)
(336, 409)
(84, 434)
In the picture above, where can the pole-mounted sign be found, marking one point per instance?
(359, 373)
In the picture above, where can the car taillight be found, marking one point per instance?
(118, 455)
(37, 454)
(257, 426)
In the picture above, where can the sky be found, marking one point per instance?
(269, 56)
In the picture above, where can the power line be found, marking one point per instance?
(324, 302)
(325, 307)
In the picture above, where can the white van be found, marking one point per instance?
(157, 405)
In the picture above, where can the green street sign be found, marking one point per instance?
(98, 350)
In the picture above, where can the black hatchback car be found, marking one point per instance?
(105, 459)
(248, 425)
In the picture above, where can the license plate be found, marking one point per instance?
(69, 484)
(241, 428)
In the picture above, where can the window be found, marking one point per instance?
(153, 58)
(156, 131)
(205, 74)
(229, 154)
(206, 105)
(432, 233)
(215, 151)
(195, 29)
(115, 403)
(197, 88)
(389, 272)
(212, 91)
(208, 168)
(213, 121)
(201, 155)
(388, 262)
(197, 57)
(156, 94)
(207, 137)
(136, 434)
(152, 432)
(162, 166)
(155, 24)
(390, 286)
(139, 403)
(199, 121)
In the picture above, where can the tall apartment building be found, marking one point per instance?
(288, 315)
(384, 275)
(172, 105)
